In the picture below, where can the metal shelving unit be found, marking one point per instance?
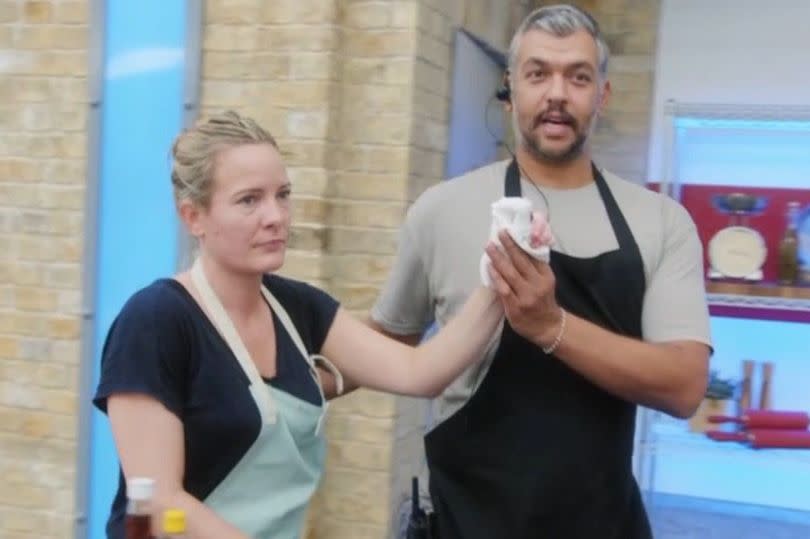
(657, 433)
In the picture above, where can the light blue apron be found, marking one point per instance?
(267, 492)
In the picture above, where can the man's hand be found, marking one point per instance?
(526, 288)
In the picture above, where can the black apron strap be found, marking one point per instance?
(511, 186)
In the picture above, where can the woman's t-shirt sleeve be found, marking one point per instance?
(146, 351)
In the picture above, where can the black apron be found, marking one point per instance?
(538, 451)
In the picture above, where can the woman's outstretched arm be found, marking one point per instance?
(375, 361)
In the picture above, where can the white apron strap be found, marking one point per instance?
(223, 323)
(312, 360)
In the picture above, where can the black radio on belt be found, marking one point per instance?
(421, 525)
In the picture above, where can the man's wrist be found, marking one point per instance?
(553, 331)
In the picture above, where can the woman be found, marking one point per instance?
(211, 379)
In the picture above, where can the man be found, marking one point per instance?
(537, 440)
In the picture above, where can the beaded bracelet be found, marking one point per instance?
(558, 340)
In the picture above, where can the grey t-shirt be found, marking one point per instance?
(446, 229)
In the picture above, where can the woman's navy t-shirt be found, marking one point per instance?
(163, 345)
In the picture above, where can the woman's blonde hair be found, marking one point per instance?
(194, 152)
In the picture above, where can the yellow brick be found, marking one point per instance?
(358, 429)
(430, 135)
(59, 401)
(307, 124)
(365, 403)
(380, 43)
(303, 265)
(368, 99)
(38, 249)
(397, 71)
(308, 181)
(309, 210)
(361, 456)
(431, 78)
(430, 105)
(371, 268)
(24, 273)
(299, 11)
(54, 375)
(6, 39)
(64, 328)
(232, 11)
(36, 425)
(356, 495)
(307, 237)
(72, 12)
(8, 11)
(386, 129)
(354, 296)
(230, 38)
(367, 15)
(37, 11)
(303, 152)
(8, 347)
(233, 65)
(427, 163)
(52, 37)
(32, 349)
(434, 51)
(64, 171)
(65, 351)
(52, 221)
(404, 14)
(337, 528)
(35, 299)
(344, 240)
(65, 197)
(314, 66)
(24, 495)
(69, 302)
(291, 39)
(61, 276)
(70, 90)
(362, 186)
(367, 214)
(20, 395)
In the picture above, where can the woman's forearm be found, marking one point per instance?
(457, 345)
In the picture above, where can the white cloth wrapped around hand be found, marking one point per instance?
(528, 229)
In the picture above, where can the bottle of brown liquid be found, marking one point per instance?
(138, 519)
(789, 248)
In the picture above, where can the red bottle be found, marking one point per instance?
(138, 519)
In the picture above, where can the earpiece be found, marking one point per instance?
(504, 93)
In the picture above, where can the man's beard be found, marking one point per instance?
(530, 140)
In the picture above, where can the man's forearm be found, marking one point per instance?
(670, 377)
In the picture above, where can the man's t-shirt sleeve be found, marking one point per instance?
(675, 306)
(404, 305)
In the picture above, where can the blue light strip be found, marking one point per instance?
(136, 235)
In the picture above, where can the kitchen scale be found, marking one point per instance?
(737, 251)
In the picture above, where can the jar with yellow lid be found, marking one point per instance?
(174, 524)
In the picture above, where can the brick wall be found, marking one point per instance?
(43, 104)
(621, 140)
